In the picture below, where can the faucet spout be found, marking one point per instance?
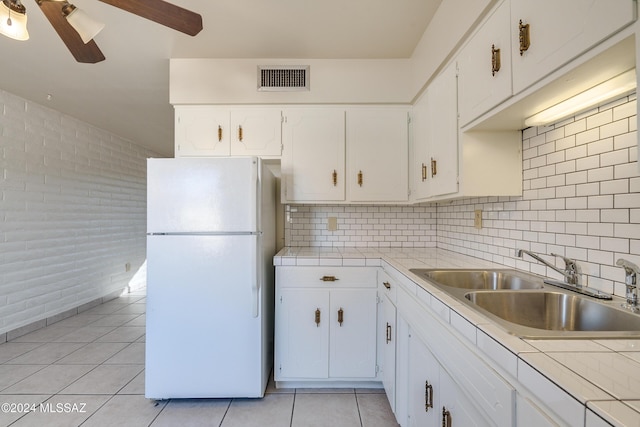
(631, 272)
(572, 272)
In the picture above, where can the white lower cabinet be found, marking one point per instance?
(325, 324)
(445, 382)
(387, 335)
(530, 415)
(434, 399)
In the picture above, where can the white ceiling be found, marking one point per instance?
(128, 93)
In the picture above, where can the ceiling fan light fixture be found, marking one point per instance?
(84, 25)
(13, 20)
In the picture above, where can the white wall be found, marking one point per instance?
(581, 198)
(334, 81)
(72, 212)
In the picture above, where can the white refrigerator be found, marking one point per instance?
(210, 277)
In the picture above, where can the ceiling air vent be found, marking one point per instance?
(278, 78)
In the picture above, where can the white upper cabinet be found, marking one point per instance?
(443, 133)
(377, 154)
(205, 130)
(201, 130)
(435, 138)
(313, 159)
(420, 126)
(559, 31)
(256, 132)
(485, 66)
(333, 155)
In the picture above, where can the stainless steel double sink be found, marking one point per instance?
(523, 305)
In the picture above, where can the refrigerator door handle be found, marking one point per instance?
(255, 282)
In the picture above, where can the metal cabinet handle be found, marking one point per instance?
(387, 285)
(434, 167)
(360, 179)
(317, 317)
(428, 396)
(388, 333)
(340, 316)
(446, 418)
(424, 172)
(219, 133)
(524, 37)
(495, 60)
(329, 279)
(334, 175)
(240, 133)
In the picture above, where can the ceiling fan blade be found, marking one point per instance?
(87, 53)
(164, 13)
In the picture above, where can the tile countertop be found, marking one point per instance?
(604, 374)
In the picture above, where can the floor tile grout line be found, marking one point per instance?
(358, 408)
(293, 407)
(225, 412)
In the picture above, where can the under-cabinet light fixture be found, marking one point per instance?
(624, 83)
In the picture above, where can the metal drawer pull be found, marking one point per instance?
(388, 333)
(524, 37)
(340, 316)
(329, 279)
(317, 317)
(240, 133)
(446, 418)
(428, 396)
(387, 285)
(360, 178)
(219, 133)
(495, 60)
(335, 178)
(434, 167)
(424, 172)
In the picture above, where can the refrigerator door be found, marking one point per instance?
(203, 338)
(203, 195)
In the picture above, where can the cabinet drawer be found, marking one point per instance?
(388, 286)
(329, 277)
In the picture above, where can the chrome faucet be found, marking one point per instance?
(631, 272)
(572, 272)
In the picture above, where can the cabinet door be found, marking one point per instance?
(201, 130)
(420, 129)
(302, 341)
(455, 406)
(402, 370)
(352, 333)
(443, 140)
(481, 87)
(424, 385)
(556, 38)
(313, 158)
(377, 144)
(256, 132)
(387, 337)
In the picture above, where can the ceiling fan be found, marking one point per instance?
(60, 12)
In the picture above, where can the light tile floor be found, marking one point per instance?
(88, 370)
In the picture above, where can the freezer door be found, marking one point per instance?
(204, 337)
(200, 195)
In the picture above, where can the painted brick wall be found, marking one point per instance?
(72, 212)
(581, 199)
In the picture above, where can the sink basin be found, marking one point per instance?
(544, 313)
(478, 279)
